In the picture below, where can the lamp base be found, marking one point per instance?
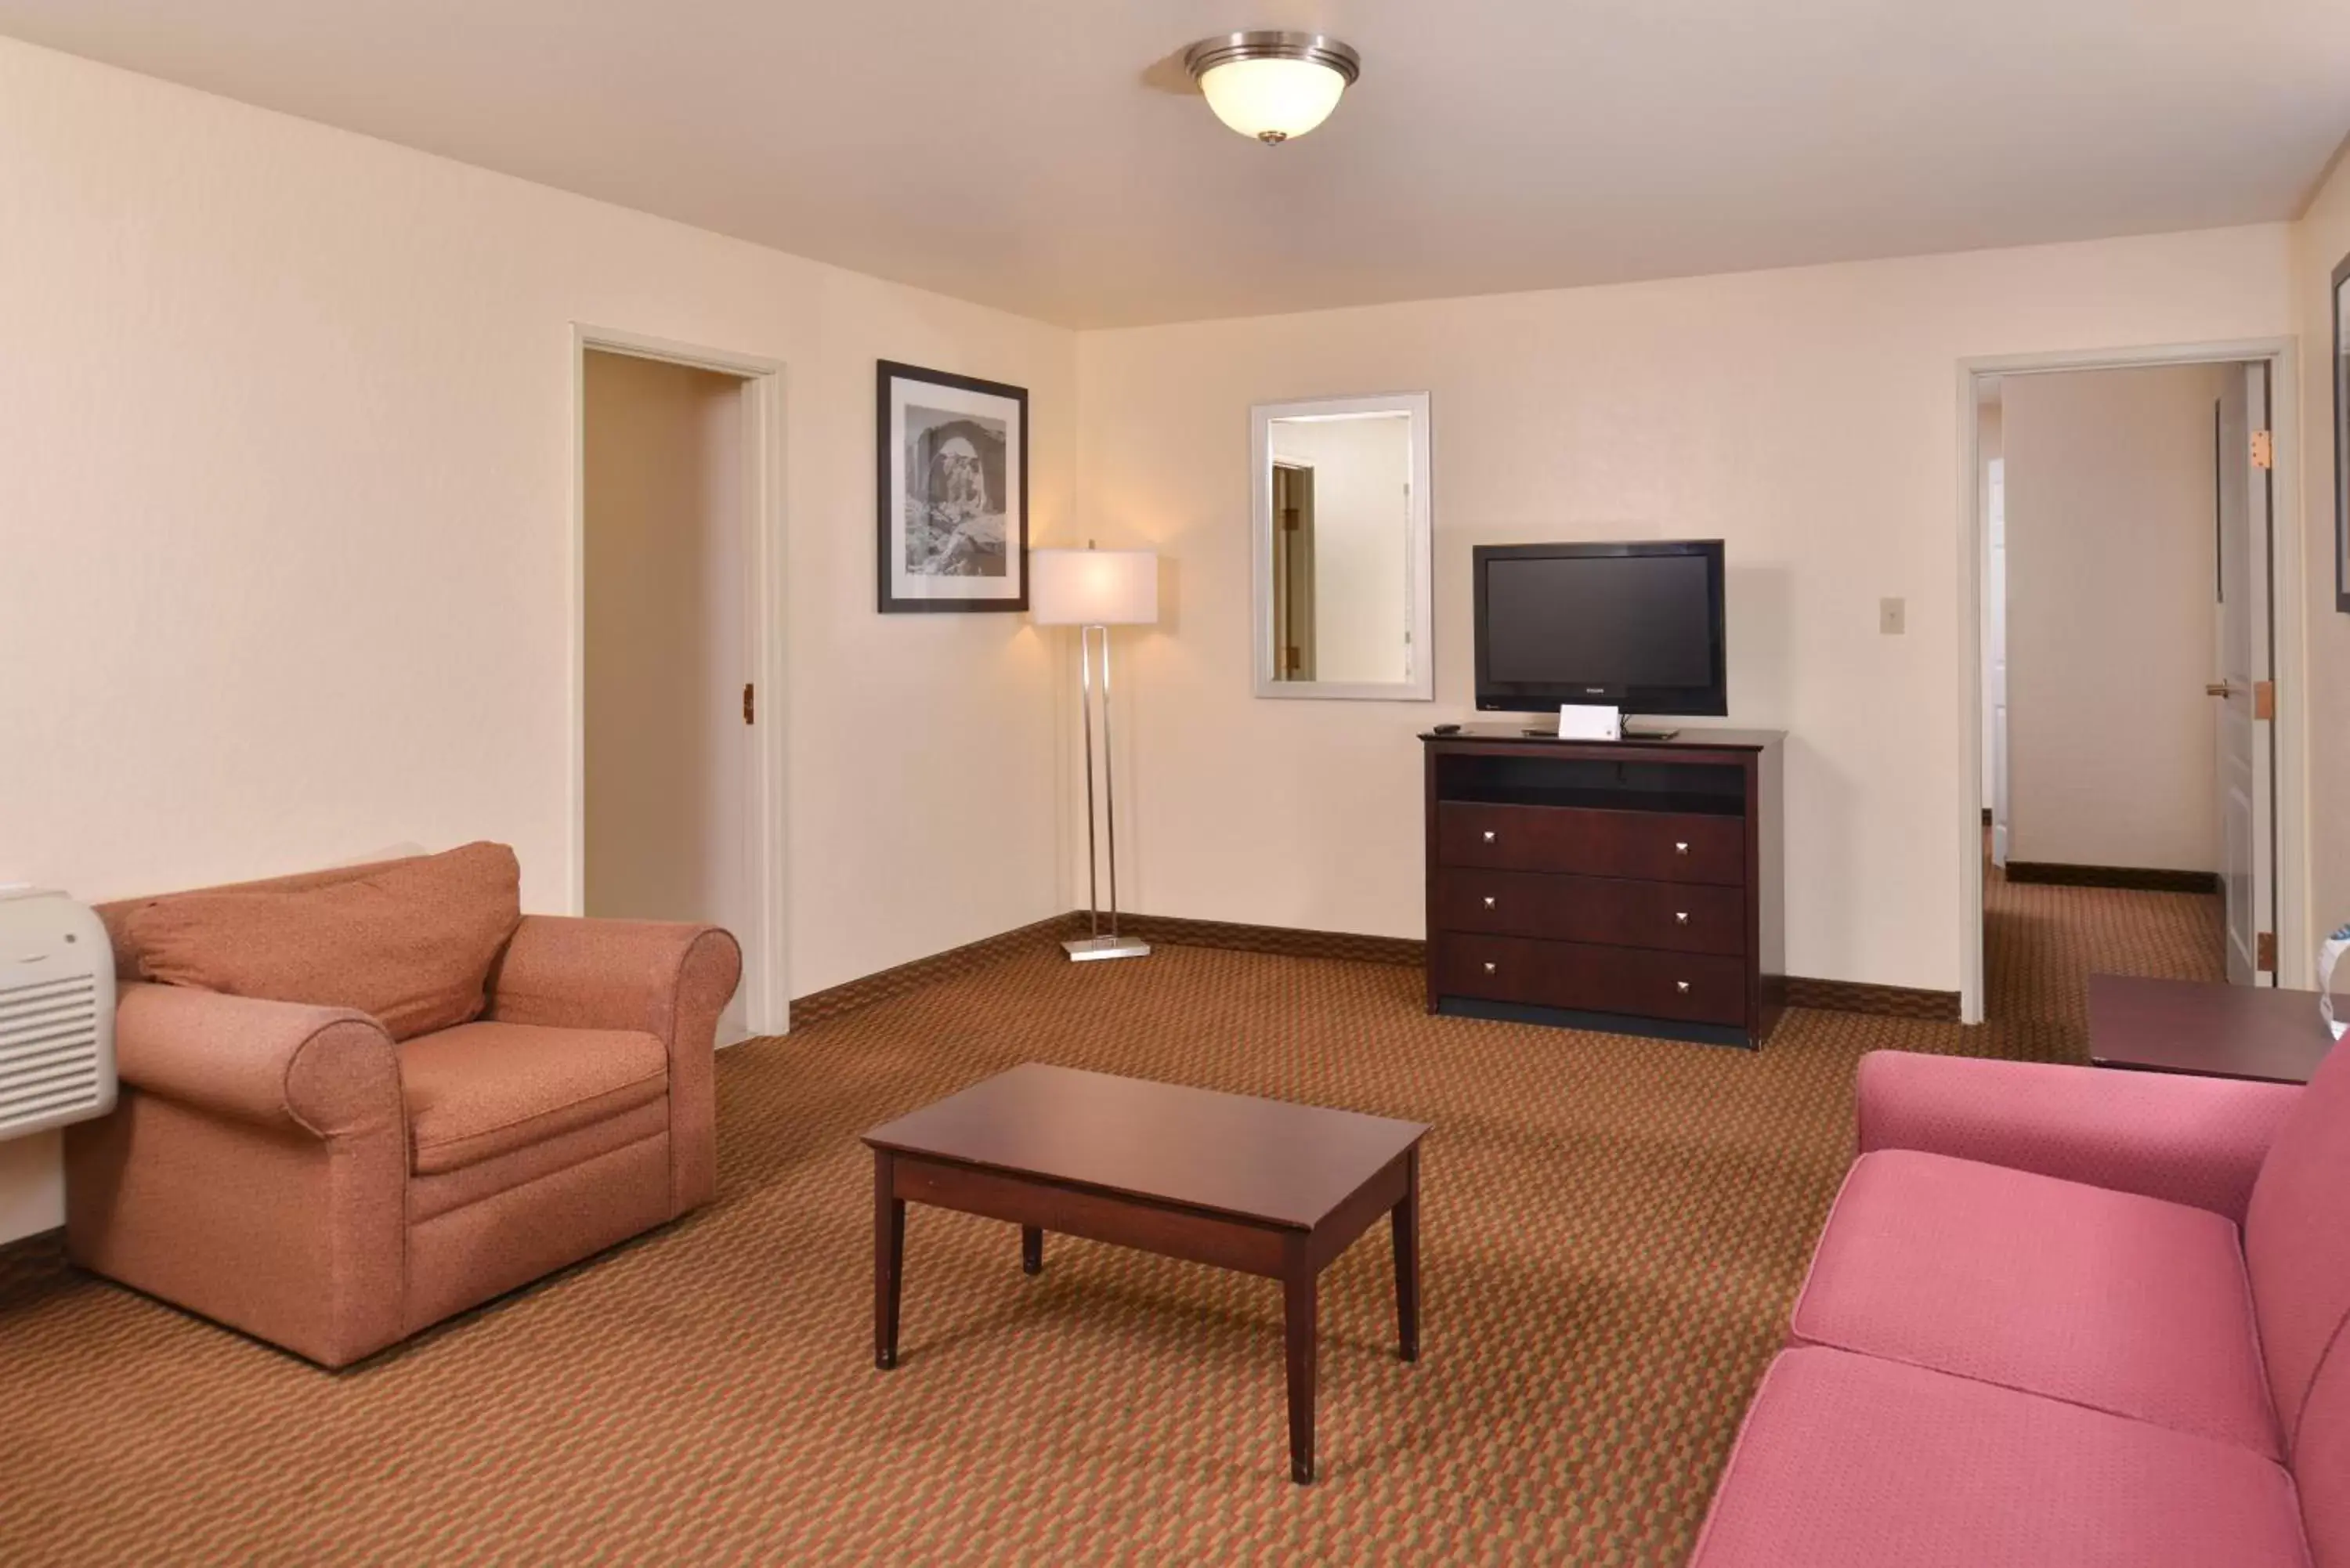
(1080, 949)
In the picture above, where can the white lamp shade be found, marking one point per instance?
(1279, 98)
(1093, 587)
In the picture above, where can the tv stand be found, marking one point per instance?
(1631, 885)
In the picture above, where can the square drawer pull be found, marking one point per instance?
(1489, 900)
(1490, 967)
(1489, 835)
(1681, 986)
(1680, 849)
(1680, 917)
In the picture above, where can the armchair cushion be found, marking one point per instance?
(2198, 1142)
(409, 943)
(2100, 1298)
(481, 1090)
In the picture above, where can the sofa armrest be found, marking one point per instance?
(2191, 1140)
(328, 1071)
(671, 981)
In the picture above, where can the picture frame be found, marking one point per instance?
(2341, 298)
(951, 492)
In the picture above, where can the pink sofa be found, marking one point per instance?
(2065, 1318)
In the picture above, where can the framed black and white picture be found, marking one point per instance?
(953, 492)
(2341, 436)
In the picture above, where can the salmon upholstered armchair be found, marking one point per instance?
(379, 1095)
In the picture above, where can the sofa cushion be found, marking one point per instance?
(409, 942)
(1848, 1461)
(481, 1090)
(2297, 1238)
(2106, 1299)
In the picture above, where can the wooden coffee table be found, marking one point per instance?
(2193, 1026)
(1259, 1186)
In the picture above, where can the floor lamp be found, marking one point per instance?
(1095, 591)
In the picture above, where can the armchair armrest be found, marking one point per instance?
(571, 973)
(330, 1071)
(671, 981)
(258, 1174)
(2198, 1142)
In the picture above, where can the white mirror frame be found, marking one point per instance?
(1419, 555)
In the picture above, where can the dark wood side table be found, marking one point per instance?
(1260, 1185)
(2194, 1026)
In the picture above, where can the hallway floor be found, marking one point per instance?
(2043, 941)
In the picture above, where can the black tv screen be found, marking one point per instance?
(1635, 626)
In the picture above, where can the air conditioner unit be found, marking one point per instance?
(57, 1012)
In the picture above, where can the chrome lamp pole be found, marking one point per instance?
(1094, 590)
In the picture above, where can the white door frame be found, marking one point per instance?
(766, 989)
(2288, 611)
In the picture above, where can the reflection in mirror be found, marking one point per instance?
(2341, 436)
(1342, 548)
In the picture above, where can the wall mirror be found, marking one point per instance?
(1341, 548)
(2341, 436)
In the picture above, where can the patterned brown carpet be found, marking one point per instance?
(1614, 1231)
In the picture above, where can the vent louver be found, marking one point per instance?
(57, 1014)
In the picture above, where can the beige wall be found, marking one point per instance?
(1808, 417)
(2112, 625)
(667, 645)
(288, 533)
(2320, 242)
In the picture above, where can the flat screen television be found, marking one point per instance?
(1632, 625)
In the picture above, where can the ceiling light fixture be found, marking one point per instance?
(1272, 85)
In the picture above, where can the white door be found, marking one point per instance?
(1995, 592)
(2247, 847)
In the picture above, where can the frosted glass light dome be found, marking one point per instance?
(1272, 85)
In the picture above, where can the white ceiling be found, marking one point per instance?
(1050, 157)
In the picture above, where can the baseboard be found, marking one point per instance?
(1286, 941)
(2137, 879)
(40, 1252)
(1885, 1001)
(1171, 931)
(865, 990)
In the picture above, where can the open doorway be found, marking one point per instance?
(674, 780)
(2124, 541)
(1293, 571)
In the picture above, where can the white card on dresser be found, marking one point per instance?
(1587, 721)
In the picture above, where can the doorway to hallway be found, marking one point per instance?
(2129, 610)
(676, 818)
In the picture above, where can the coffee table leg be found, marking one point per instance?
(1300, 1289)
(1405, 1216)
(1032, 1249)
(889, 1260)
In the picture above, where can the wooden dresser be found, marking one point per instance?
(1629, 886)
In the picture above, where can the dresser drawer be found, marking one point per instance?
(1700, 988)
(1680, 917)
(1645, 845)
